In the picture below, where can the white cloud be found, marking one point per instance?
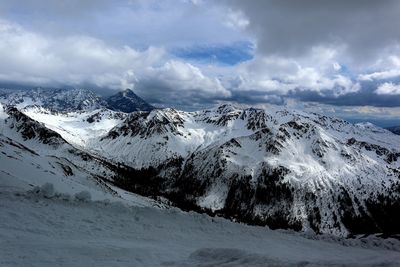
(236, 19)
(175, 74)
(336, 66)
(379, 75)
(388, 89)
(282, 75)
(73, 60)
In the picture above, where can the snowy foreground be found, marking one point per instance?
(43, 228)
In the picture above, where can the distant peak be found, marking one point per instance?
(127, 101)
(226, 108)
(127, 91)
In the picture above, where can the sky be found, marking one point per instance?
(340, 58)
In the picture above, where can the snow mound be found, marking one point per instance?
(46, 190)
(83, 196)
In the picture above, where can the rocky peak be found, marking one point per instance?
(127, 101)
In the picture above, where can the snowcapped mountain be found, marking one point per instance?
(33, 155)
(127, 101)
(55, 99)
(283, 168)
(72, 100)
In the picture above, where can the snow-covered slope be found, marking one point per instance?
(283, 168)
(33, 155)
(51, 231)
(77, 127)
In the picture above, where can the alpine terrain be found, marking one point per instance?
(115, 180)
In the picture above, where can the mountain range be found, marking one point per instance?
(73, 100)
(277, 167)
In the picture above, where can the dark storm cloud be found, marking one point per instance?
(290, 28)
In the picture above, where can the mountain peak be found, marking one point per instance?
(127, 101)
(128, 93)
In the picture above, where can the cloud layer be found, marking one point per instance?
(191, 54)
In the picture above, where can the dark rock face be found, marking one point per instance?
(98, 116)
(127, 101)
(267, 201)
(390, 156)
(31, 129)
(146, 124)
(269, 192)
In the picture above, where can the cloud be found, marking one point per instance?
(236, 19)
(138, 23)
(36, 59)
(292, 28)
(179, 84)
(76, 60)
(388, 89)
(282, 76)
(380, 75)
(195, 53)
(28, 57)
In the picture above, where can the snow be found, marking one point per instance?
(73, 126)
(84, 196)
(38, 231)
(46, 190)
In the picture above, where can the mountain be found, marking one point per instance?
(394, 129)
(72, 100)
(55, 99)
(34, 155)
(275, 167)
(127, 101)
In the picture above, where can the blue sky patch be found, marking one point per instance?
(227, 54)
